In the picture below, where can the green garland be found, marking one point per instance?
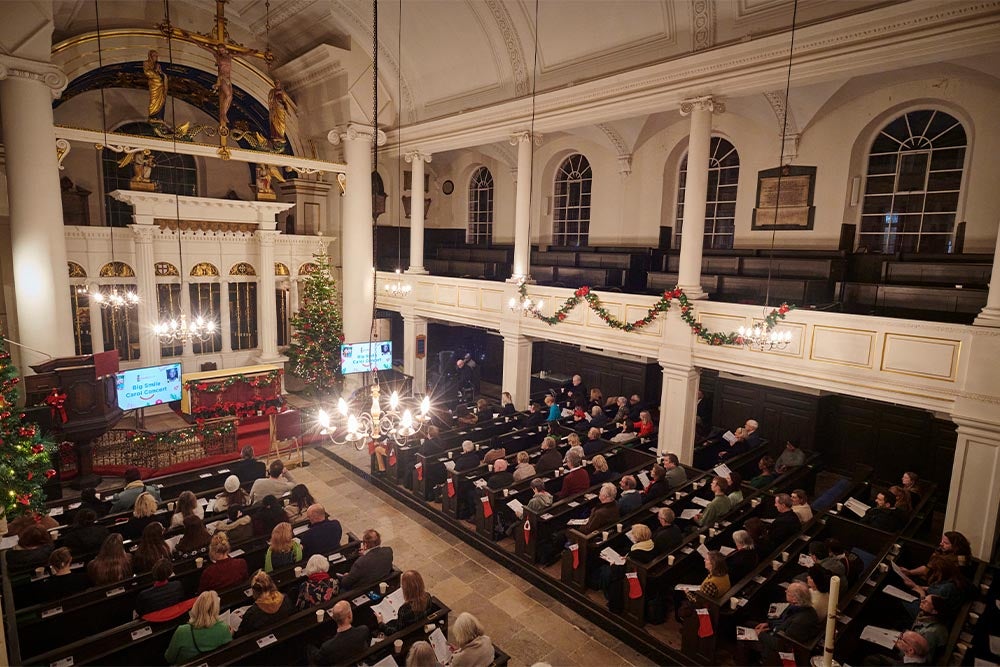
(662, 305)
(180, 436)
(216, 386)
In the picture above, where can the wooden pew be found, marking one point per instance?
(588, 546)
(542, 527)
(97, 608)
(135, 642)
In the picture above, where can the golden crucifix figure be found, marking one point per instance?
(222, 49)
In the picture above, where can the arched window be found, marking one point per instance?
(720, 206)
(480, 208)
(571, 202)
(913, 183)
(171, 173)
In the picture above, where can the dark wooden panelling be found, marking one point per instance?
(615, 377)
(782, 414)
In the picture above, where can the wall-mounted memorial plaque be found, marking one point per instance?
(785, 198)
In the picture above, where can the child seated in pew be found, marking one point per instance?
(163, 593)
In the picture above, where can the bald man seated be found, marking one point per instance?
(323, 535)
(343, 647)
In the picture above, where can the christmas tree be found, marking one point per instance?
(24, 454)
(318, 331)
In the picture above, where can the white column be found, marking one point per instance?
(522, 205)
(41, 279)
(145, 273)
(417, 211)
(188, 347)
(293, 296)
(225, 317)
(267, 314)
(696, 193)
(356, 230)
(96, 326)
(413, 326)
(990, 315)
(974, 498)
(678, 402)
(517, 368)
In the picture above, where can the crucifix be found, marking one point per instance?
(223, 49)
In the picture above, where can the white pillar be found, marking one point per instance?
(696, 193)
(678, 402)
(188, 347)
(413, 326)
(145, 272)
(974, 498)
(357, 259)
(267, 313)
(990, 315)
(96, 325)
(517, 368)
(522, 205)
(293, 296)
(225, 317)
(41, 279)
(417, 211)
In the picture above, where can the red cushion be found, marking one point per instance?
(169, 613)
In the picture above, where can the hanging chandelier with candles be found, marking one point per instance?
(397, 288)
(179, 330)
(112, 299)
(394, 422)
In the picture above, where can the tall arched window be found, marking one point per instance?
(480, 208)
(571, 202)
(913, 183)
(720, 206)
(173, 173)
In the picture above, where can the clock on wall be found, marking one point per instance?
(447, 187)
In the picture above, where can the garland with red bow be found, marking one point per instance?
(662, 305)
(255, 380)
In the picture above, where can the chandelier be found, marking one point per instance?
(398, 287)
(764, 338)
(180, 330)
(525, 307)
(112, 298)
(393, 422)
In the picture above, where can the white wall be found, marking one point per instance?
(628, 210)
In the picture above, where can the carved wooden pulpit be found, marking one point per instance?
(91, 406)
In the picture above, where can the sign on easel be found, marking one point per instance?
(286, 438)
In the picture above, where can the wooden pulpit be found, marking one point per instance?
(91, 407)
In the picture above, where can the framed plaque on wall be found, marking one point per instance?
(785, 198)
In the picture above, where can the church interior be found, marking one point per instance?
(666, 331)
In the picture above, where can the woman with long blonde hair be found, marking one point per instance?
(282, 549)
(202, 633)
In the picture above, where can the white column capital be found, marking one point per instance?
(33, 70)
(417, 156)
(143, 233)
(706, 103)
(266, 237)
(523, 137)
(625, 164)
(354, 132)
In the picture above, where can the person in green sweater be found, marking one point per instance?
(719, 505)
(202, 633)
(282, 550)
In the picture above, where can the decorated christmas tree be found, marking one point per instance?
(318, 331)
(24, 454)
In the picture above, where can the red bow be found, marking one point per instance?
(57, 404)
